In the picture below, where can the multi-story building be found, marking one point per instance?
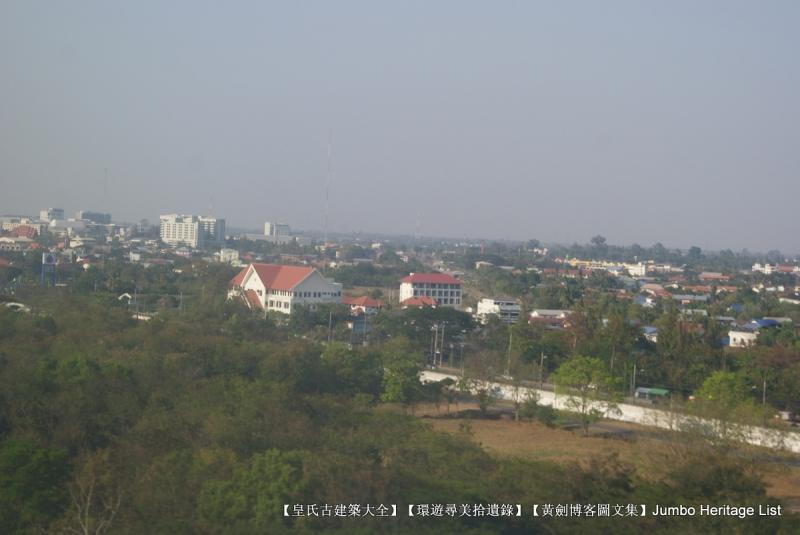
(279, 288)
(181, 230)
(506, 309)
(48, 214)
(446, 289)
(95, 217)
(194, 231)
(213, 230)
(277, 229)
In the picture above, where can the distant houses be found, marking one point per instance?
(362, 305)
(419, 302)
(746, 335)
(550, 318)
(280, 288)
(506, 309)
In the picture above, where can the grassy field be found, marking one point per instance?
(648, 450)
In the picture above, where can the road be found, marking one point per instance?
(664, 419)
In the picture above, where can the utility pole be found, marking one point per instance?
(434, 339)
(441, 344)
(541, 373)
(330, 325)
(508, 362)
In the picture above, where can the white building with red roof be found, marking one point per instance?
(279, 288)
(445, 289)
(362, 305)
(419, 302)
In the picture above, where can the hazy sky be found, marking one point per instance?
(653, 121)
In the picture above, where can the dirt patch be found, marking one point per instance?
(643, 447)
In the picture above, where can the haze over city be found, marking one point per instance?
(674, 122)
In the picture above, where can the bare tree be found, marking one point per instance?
(95, 497)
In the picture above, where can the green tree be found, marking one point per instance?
(402, 366)
(590, 388)
(723, 402)
(353, 371)
(252, 499)
(32, 486)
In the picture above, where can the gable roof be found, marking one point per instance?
(239, 278)
(363, 301)
(421, 301)
(252, 299)
(275, 276)
(430, 278)
(279, 277)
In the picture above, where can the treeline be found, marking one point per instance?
(367, 274)
(520, 255)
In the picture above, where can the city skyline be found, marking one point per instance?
(674, 124)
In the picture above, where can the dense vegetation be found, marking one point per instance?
(207, 419)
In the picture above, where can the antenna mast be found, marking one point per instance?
(328, 184)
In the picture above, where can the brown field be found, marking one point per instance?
(644, 448)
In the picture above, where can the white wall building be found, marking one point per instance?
(742, 338)
(274, 287)
(636, 270)
(277, 229)
(181, 230)
(446, 289)
(191, 230)
(228, 256)
(506, 309)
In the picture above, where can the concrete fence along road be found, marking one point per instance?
(757, 436)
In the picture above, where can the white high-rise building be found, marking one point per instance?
(276, 229)
(194, 231)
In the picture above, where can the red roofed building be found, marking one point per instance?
(24, 231)
(419, 302)
(362, 305)
(445, 289)
(713, 276)
(281, 288)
